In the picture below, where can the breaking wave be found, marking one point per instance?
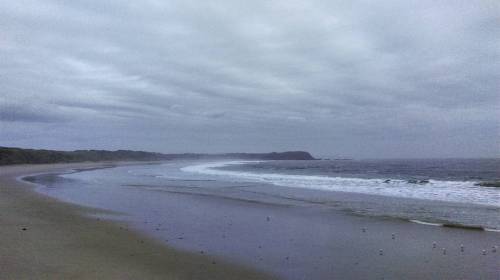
(440, 190)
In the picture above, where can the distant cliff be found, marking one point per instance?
(30, 156)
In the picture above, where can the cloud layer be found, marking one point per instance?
(348, 78)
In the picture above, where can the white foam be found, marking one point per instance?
(451, 191)
(426, 223)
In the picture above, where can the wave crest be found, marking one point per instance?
(450, 191)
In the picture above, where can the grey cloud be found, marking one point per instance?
(14, 112)
(324, 76)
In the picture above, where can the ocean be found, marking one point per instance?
(428, 190)
(272, 215)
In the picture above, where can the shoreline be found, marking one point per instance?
(296, 243)
(44, 238)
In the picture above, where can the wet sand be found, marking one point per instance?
(288, 238)
(42, 238)
(304, 242)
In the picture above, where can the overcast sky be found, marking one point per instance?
(344, 78)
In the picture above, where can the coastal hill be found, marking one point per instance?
(10, 155)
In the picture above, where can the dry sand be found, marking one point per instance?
(42, 238)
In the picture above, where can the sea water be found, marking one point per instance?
(304, 219)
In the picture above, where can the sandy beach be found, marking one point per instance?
(217, 230)
(238, 140)
(41, 238)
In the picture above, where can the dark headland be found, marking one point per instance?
(10, 155)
